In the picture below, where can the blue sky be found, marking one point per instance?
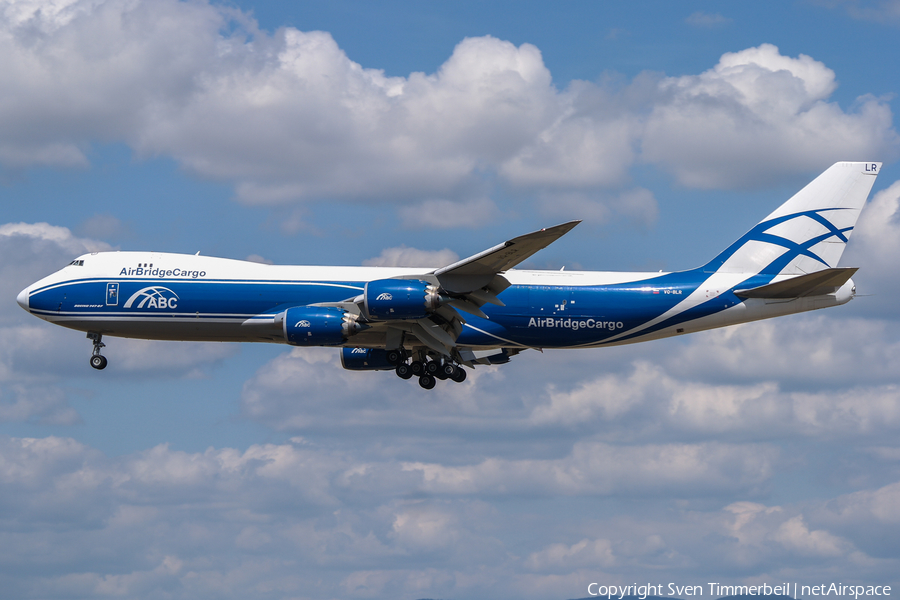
(416, 133)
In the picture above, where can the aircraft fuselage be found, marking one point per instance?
(166, 296)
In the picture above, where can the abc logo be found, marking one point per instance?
(153, 297)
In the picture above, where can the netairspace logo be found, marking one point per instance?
(303, 323)
(384, 296)
(153, 297)
(574, 324)
(718, 590)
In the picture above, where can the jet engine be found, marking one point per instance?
(318, 326)
(400, 299)
(365, 359)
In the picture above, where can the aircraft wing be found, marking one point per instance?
(464, 286)
(478, 270)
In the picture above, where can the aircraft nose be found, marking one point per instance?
(22, 299)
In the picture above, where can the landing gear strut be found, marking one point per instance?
(98, 361)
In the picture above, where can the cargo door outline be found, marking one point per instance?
(112, 294)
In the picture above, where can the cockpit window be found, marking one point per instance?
(76, 263)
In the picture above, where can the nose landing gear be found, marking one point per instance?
(98, 361)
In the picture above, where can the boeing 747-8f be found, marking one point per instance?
(429, 323)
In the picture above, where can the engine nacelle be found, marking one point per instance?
(400, 299)
(365, 359)
(318, 326)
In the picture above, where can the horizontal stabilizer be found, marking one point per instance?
(823, 282)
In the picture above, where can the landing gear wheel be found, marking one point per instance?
(394, 356)
(418, 367)
(459, 376)
(404, 371)
(426, 381)
(448, 369)
(432, 367)
(98, 361)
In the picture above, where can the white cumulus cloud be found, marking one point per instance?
(760, 115)
(289, 116)
(402, 256)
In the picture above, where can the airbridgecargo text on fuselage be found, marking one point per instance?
(161, 273)
(575, 324)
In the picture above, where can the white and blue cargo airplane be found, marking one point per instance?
(430, 322)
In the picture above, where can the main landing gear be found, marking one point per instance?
(427, 368)
(98, 361)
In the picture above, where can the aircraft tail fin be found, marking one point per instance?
(809, 232)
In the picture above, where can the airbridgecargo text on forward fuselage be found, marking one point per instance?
(576, 324)
(161, 273)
